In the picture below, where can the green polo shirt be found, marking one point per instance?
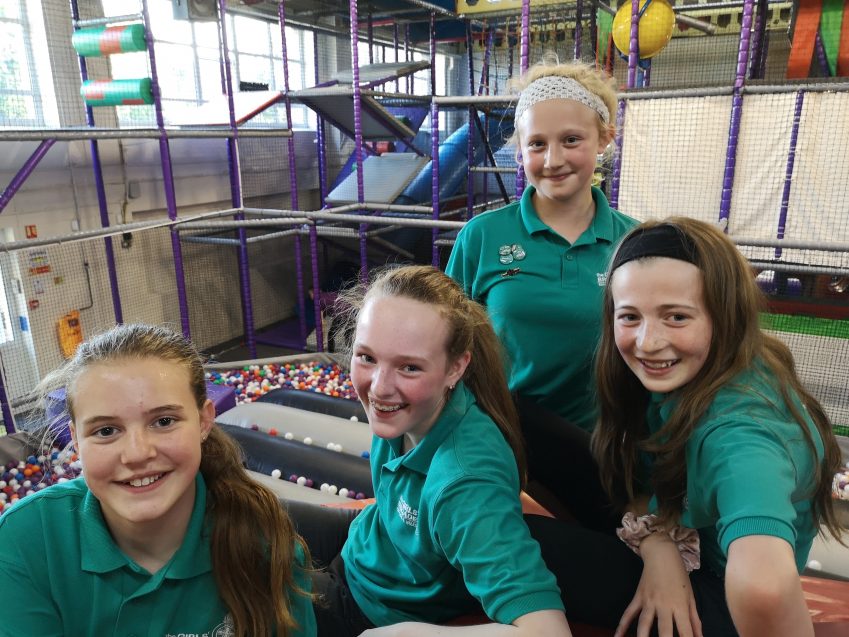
(446, 535)
(749, 470)
(68, 577)
(545, 304)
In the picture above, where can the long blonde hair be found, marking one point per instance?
(469, 330)
(733, 301)
(253, 539)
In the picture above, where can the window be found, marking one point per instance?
(26, 88)
(188, 63)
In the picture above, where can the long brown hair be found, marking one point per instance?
(733, 301)
(469, 330)
(253, 539)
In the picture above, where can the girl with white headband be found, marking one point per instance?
(538, 266)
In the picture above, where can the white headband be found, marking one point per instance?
(558, 87)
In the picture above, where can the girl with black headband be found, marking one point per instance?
(539, 264)
(723, 461)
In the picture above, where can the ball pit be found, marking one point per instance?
(252, 381)
(31, 475)
(332, 489)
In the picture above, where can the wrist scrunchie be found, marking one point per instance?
(635, 529)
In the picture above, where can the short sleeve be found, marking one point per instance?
(749, 476)
(462, 266)
(27, 602)
(479, 526)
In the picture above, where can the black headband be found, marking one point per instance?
(657, 241)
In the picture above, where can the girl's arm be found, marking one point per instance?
(551, 623)
(664, 593)
(763, 589)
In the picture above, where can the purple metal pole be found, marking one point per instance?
(5, 407)
(408, 55)
(358, 134)
(484, 89)
(434, 141)
(634, 44)
(633, 61)
(788, 173)
(822, 60)
(236, 186)
(293, 197)
(511, 49)
(167, 179)
(487, 51)
(470, 146)
(370, 33)
(397, 52)
(101, 191)
(736, 110)
(24, 173)
(758, 38)
(594, 34)
(524, 46)
(319, 134)
(617, 157)
(579, 27)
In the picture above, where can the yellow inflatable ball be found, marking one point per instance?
(656, 24)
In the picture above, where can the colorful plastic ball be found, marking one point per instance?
(655, 28)
(276, 473)
(307, 440)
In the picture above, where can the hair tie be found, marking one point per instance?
(552, 87)
(665, 240)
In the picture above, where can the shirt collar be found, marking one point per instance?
(420, 457)
(100, 553)
(600, 228)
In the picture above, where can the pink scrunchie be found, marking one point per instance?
(636, 528)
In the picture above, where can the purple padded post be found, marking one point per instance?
(101, 190)
(524, 50)
(236, 187)
(579, 16)
(24, 173)
(736, 110)
(293, 189)
(434, 142)
(788, 172)
(470, 148)
(358, 133)
(167, 179)
(223, 397)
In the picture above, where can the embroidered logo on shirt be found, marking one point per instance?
(225, 629)
(601, 277)
(407, 513)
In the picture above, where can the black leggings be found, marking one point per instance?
(559, 458)
(598, 576)
(325, 530)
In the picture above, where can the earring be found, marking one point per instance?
(451, 387)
